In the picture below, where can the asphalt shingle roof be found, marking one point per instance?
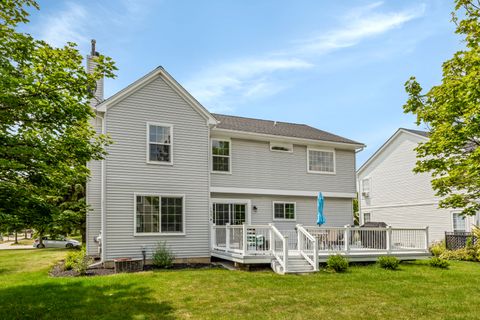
(277, 128)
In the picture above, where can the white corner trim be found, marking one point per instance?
(277, 192)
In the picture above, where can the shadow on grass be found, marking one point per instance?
(78, 300)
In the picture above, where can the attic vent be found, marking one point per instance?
(281, 147)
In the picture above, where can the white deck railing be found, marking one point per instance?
(261, 240)
(307, 246)
(279, 247)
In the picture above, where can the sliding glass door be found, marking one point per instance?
(234, 213)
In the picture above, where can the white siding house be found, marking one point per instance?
(390, 192)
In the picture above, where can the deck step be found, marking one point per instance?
(296, 264)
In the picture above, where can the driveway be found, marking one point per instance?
(8, 246)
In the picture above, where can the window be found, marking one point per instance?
(458, 222)
(284, 211)
(232, 213)
(281, 147)
(366, 186)
(366, 217)
(159, 144)
(320, 161)
(221, 155)
(159, 214)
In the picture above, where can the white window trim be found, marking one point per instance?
(369, 179)
(247, 202)
(229, 156)
(281, 144)
(160, 233)
(324, 150)
(170, 163)
(363, 216)
(284, 202)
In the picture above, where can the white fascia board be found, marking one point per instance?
(270, 137)
(277, 192)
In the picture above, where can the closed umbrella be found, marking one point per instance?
(320, 217)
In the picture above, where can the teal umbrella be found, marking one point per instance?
(320, 217)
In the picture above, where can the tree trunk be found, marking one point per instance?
(26, 234)
(16, 237)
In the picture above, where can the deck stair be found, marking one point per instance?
(296, 264)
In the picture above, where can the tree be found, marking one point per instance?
(45, 136)
(452, 112)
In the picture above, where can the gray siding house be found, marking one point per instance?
(213, 185)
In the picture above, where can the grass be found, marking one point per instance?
(23, 242)
(416, 291)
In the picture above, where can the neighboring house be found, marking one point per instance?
(390, 192)
(174, 168)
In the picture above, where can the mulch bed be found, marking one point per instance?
(58, 271)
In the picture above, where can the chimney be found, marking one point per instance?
(98, 90)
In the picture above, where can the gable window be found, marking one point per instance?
(320, 161)
(159, 149)
(159, 214)
(458, 222)
(281, 147)
(283, 210)
(221, 155)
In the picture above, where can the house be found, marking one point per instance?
(391, 192)
(212, 185)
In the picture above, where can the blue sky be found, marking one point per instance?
(339, 65)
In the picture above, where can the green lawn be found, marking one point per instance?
(417, 291)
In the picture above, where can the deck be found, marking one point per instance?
(261, 244)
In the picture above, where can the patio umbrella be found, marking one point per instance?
(320, 217)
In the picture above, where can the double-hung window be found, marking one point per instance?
(458, 222)
(320, 161)
(159, 214)
(283, 210)
(160, 148)
(221, 160)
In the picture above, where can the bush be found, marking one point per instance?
(436, 262)
(163, 257)
(337, 263)
(77, 261)
(438, 248)
(390, 263)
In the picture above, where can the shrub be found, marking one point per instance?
(388, 262)
(436, 262)
(77, 261)
(163, 257)
(459, 254)
(438, 248)
(337, 263)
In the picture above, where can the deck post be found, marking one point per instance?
(426, 238)
(227, 237)
(345, 238)
(315, 255)
(244, 238)
(389, 239)
(299, 239)
(285, 252)
(272, 243)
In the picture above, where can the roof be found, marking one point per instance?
(277, 128)
(423, 134)
(419, 132)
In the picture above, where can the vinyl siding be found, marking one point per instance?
(338, 211)
(127, 171)
(93, 193)
(255, 166)
(400, 197)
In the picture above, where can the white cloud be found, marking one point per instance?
(243, 79)
(252, 78)
(67, 25)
